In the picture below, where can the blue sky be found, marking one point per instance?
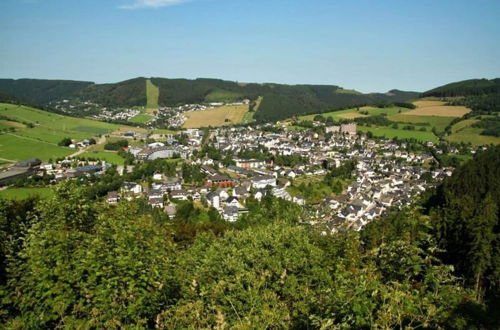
(367, 45)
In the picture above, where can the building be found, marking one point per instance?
(350, 129)
(262, 181)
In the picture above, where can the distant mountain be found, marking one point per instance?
(279, 101)
(481, 95)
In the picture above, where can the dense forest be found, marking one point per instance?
(279, 101)
(481, 95)
(70, 262)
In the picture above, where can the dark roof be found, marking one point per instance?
(29, 163)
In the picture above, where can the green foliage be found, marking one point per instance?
(491, 126)
(65, 142)
(84, 268)
(465, 209)
(116, 145)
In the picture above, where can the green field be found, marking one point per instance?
(248, 117)
(464, 132)
(390, 133)
(345, 114)
(50, 128)
(439, 123)
(20, 148)
(110, 157)
(22, 193)
(141, 118)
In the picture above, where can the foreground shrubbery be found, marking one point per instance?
(68, 262)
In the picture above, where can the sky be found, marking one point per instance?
(367, 45)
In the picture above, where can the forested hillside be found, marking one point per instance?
(40, 92)
(70, 262)
(279, 101)
(481, 95)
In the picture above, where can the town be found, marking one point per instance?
(341, 178)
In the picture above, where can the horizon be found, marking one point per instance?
(365, 46)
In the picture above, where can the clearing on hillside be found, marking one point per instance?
(437, 108)
(221, 116)
(152, 95)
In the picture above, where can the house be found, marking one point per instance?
(131, 187)
(213, 199)
(350, 129)
(249, 163)
(233, 201)
(113, 197)
(262, 181)
(230, 213)
(179, 194)
(220, 180)
(156, 202)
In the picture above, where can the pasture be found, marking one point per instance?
(437, 108)
(23, 193)
(18, 148)
(390, 133)
(110, 157)
(439, 123)
(464, 132)
(220, 116)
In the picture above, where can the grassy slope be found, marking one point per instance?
(464, 132)
(141, 118)
(152, 95)
(41, 140)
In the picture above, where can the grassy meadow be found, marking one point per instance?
(220, 116)
(110, 157)
(49, 129)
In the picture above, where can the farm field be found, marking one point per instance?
(221, 116)
(439, 123)
(354, 113)
(390, 133)
(49, 128)
(464, 132)
(68, 125)
(437, 108)
(22, 193)
(19, 148)
(110, 157)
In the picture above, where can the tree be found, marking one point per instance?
(65, 142)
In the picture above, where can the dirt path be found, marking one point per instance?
(101, 140)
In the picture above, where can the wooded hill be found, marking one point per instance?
(481, 95)
(279, 101)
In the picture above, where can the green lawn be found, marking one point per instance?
(19, 148)
(152, 95)
(110, 157)
(141, 118)
(22, 193)
(390, 133)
